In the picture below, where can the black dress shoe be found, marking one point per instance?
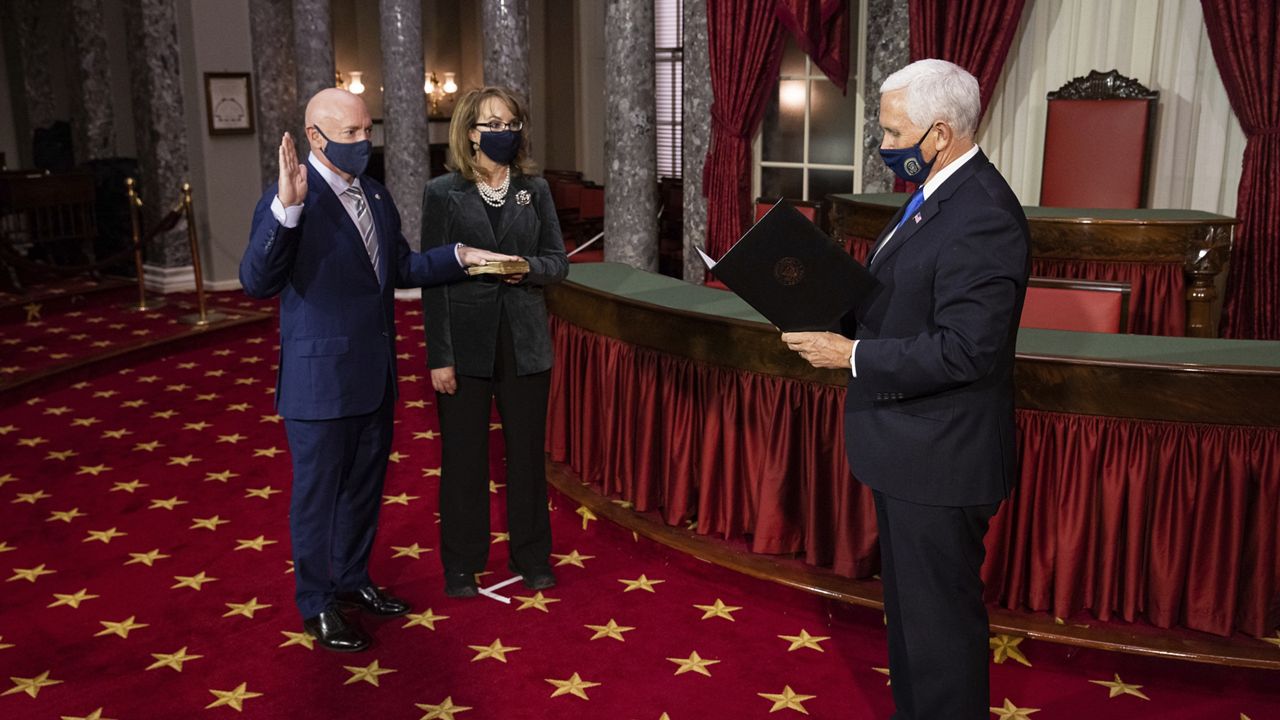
(372, 600)
(334, 632)
(539, 578)
(460, 585)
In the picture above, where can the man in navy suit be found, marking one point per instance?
(326, 239)
(929, 414)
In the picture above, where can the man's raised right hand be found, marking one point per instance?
(293, 176)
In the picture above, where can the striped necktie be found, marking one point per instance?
(365, 223)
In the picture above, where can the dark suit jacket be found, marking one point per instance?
(929, 418)
(462, 319)
(337, 328)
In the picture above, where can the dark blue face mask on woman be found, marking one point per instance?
(500, 147)
(350, 158)
(909, 163)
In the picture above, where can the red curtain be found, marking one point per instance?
(744, 42)
(1169, 523)
(821, 30)
(1245, 35)
(974, 34)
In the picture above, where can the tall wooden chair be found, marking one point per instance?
(1080, 305)
(1097, 143)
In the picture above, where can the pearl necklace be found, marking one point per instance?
(494, 197)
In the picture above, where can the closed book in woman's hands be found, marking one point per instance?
(792, 273)
(505, 267)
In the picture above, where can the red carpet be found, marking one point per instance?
(143, 521)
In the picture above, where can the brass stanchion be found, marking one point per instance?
(204, 317)
(143, 305)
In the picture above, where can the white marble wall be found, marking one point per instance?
(405, 111)
(630, 150)
(505, 33)
(696, 127)
(95, 123)
(275, 82)
(313, 48)
(888, 50)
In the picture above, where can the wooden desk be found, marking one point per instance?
(1198, 241)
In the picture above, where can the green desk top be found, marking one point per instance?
(627, 282)
(1035, 212)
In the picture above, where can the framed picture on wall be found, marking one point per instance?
(229, 103)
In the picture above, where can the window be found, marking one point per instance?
(669, 84)
(808, 140)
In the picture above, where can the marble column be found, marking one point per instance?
(35, 37)
(505, 29)
(95, 121)
(696, 134)
(630, 146)
(313, 48)
(888, 50)
(275, 83)
(161, 131)
(404, 106)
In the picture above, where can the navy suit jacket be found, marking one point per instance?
(929, 418)
(337, 327)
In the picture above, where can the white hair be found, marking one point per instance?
(938, 91)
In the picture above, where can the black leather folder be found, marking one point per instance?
(792, 273)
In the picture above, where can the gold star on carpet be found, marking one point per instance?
(31, 686)
(122, 628)
(401, 499)
(164, 414)
(412, 551)
(240, 407)
(95, 715)
(575, 685)
(397, 456)
(233, 438)
(1009, 711)
(33, 315)
(297, 638)
(209, 523)
(105, 536)
(84, 422)
(57, 411)
(425, 619)
(641, 583)
(169, 504)
(147, 558)
(246, 609)
(493, 487)
(5, 645)
(73, 600)
(183, 460)
(495, 426)
(204, 397)
(431, 472)
(443, 711)
(499, 537)
(128, 487)
(495, 650)
(105, 393)
(223, 476)
(368, 673)
(115, 434)
(425, 435)
(538, 601)
(1005, 647)
(415, 403)
(148, 446)
(610, 630)
(804, 640)
(6, 547)
(195, 582)
(267, 452)
(232, 698)
(179, 387)
(172, 660)
(885, 672)
(7, 478)
(197, 426)
(257, 543)
(693, 663)
(6, 429)
(60, 454)
(34, 442)
(30, 498)
(94, 470)
(263, 492)
(133, 403)
(271, 419)
(587, 515)
(573, 558)
(30, 574)
(719, 609)
(788, 699)
(1119, 687)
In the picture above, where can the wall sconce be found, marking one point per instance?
(356, 86)
(437, 91)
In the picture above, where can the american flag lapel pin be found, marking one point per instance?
(917, 218)
(378, 196)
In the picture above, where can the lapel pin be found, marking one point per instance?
(377, 196)
(522, 197)
(917, 218)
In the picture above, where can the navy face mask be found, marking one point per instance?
(350, 158)
(909, 163)
(501, 147)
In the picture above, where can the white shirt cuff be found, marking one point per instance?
(853, 366)
(286, 216)
(457, 254)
